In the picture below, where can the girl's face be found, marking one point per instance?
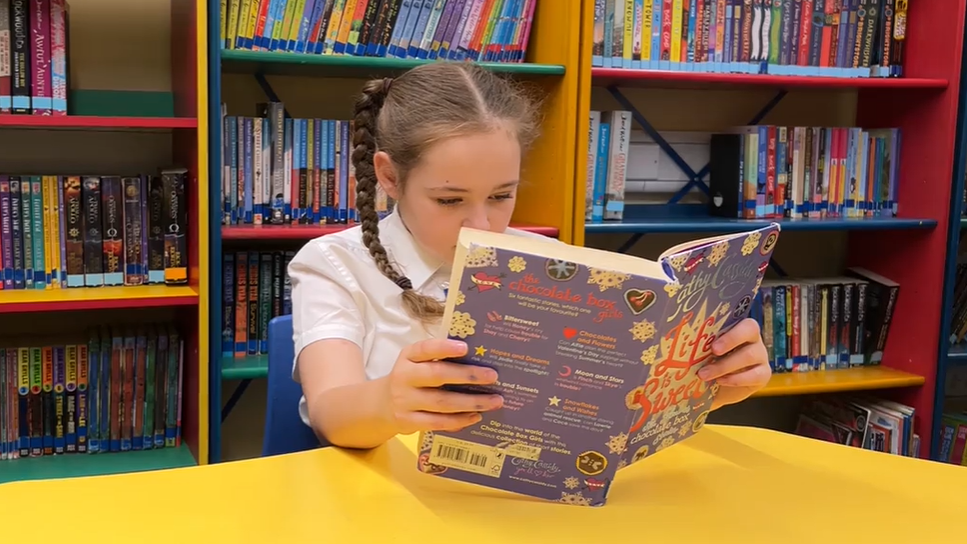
(469, 181)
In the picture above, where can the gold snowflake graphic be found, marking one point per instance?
(751, 242)
(678, 261)
(517, 264)
(649, 355)
(758, 283)
(461, 298)
(618, 444)
(606, 279)
(575, 499)
(666, 442)
(631, 399)
(723, 308)
(571, 482)
(672, 288)
(718, 253)
(622, 464)
(642, 330)
(462, 325)
(481, 256)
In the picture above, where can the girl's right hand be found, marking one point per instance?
(416, 400)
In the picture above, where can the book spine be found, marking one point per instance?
(620, 124)
(175, 217)
(59, 402)
(93, 238)
(133, 272)
(20, 51)
(113, 230)
(41, 96)
(6, 242)
(5, 59)
(83, 395)
(156, 235)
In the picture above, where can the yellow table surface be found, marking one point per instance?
(726, 484)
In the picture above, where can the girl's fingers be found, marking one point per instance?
(745, 332)
(437, 373)
(756, 376)
(432, 421)
(747, 356)
(449, 402)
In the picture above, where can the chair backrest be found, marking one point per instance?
(284, 430)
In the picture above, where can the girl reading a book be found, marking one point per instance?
(444, 141)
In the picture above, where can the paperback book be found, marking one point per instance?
(597, 355)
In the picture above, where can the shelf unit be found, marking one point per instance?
(184, 133)
(951, 358)
(545, 201)
(909, 249)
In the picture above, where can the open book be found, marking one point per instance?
(597, 355)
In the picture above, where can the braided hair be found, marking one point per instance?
(404, 116)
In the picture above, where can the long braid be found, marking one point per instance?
(366, 128)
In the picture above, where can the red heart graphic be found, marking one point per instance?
(639, 300)
(569, 332)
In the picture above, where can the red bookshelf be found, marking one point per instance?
(94, 122)
(668, 79)
(175, 53)
(924, 105)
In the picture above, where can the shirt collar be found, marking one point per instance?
(410, 259)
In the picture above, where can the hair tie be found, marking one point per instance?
(404, 283)
(387, 82)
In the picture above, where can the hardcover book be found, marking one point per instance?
(597, 355)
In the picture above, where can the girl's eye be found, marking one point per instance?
(448, 201)
(503, 196)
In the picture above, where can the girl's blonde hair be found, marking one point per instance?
(404, 116)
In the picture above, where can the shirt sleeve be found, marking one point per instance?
(323, 302)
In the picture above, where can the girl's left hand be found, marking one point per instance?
(741, 364)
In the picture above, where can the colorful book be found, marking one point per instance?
(597, 355)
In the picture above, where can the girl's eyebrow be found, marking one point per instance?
(455, 189)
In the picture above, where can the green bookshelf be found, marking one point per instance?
(75, 465)
(251, 367)
(335, 66)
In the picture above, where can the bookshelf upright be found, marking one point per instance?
(545, 201)
(910, 249)
(120, 129)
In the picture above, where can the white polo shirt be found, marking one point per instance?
(337, 292)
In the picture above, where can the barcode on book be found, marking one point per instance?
(467, 456)
(461, 455)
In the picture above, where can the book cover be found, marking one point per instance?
(597, 355)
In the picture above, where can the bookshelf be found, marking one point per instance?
(115, 127)
(312, 85)
(911, 249)
(950, 396)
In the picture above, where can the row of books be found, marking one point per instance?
(278, 170)
(755, 172)
(953, 438)
(825, 323)
(33, 57)
(90, 231)
(861, 421)
(256, 288)
(119, 390)
(830, 38)
(769, 171)
(478, 30)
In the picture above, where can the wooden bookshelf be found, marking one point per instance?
(545, 201)
(181, 139)
(910, 249)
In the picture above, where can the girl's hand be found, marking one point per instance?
(741, 364)
(416, 400)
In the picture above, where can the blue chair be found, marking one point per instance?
(284, 430)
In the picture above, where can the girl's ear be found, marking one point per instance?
(386, 174)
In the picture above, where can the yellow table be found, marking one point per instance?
(726, 484)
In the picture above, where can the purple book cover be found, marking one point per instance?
(41, 101)
(597, 355)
